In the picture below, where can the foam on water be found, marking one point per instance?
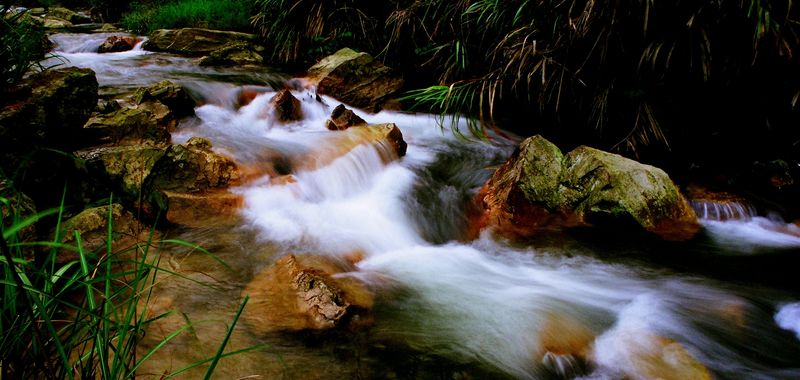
(754, 235)
(481, 301)
(788, 317)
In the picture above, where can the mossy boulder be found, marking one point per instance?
(540, 188)
(356, 79)
(173, 95)
(56, 23)
(194, 42)
(149, 122)
(92, 225)
(68, 15)
(123, 168)
(236, 54)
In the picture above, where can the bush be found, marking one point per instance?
(620, 75)
(212, 14)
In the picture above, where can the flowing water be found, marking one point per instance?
(446, 306)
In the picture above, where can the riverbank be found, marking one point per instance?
(359, 253)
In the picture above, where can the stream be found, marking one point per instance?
(446, 306)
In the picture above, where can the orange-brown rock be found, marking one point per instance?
(190, 181)
(115, 44)
(540, 188)
(199, 210)
(343, 118)
(287, 107)
(300, 293)
(386, 137)
(564, 345)
(245, 97)
(656, 357)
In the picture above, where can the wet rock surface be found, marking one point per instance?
(343, 118)
(287, 107)
(188, 180)
(540, 188)
(234, 54)
(115, 44)
(356, 79)
(299, 293)
(194, 41)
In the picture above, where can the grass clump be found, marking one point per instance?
(80, 317)
(212, 14)
(22, 45)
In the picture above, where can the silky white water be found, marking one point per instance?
(483, 303)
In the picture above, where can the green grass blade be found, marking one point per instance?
(228, 334)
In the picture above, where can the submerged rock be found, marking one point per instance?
(194, 41)
(236, 54)
(649, 356)
(115, 44)
(387, 138)
(356, 79)
(540, 188)
(343, 118)
(287, 107)
(300, 293)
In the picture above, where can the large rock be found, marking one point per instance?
(56, 23)
(124, 168)
(541, 188)
(299, 293)
(192, 171)
(68, 15)
(115, 44)
(236, 54)
(50, 111)
(170, 94)
(194, 41)
(149, 122)
(356, 79)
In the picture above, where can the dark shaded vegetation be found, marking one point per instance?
(22, 45)
(707, 89)
(641, 77)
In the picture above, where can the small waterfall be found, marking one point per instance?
(723, 210)
(529, 313)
